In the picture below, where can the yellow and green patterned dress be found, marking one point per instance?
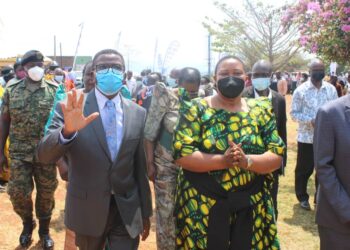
(202, 128)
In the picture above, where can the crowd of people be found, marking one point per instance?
(214, 147)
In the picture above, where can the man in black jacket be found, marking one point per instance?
(261, 80)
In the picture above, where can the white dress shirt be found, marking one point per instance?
(257, 94)
(101, 102)
(307, 99)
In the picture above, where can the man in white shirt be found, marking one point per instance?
(307, 99)
(130, 82)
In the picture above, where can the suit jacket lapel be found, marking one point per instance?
(91, 107)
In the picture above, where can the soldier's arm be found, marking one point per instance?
(5, 121)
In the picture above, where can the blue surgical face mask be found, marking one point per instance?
(261, 83)
(171, 82)
(58, 78)
(109, 83)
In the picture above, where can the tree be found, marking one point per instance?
(254, 34)
(324, 27)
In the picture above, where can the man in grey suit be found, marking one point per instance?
(331, 144)
(108, 196)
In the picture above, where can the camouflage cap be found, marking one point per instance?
(32, 56)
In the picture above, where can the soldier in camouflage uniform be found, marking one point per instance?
(161, 121)
(24, 112)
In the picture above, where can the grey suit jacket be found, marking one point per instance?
(93, 175)
(332, 159)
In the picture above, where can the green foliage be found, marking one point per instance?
(253, 34)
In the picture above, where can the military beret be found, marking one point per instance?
(32, 56)
(6, 70)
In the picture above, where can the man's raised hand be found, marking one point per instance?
(74, 119)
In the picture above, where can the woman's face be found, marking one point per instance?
(230, 67)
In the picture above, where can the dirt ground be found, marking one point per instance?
(297, 229)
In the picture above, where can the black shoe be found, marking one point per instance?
(25, 239)
(305, 205)
(46, 242)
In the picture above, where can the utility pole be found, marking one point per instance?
(76, 50)
(61, 55)
(155, 54)
(209, 55)
(118, 41)
(54, 47)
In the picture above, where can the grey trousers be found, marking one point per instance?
(333, 240)
(115, 235)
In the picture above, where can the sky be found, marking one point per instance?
(137, 25)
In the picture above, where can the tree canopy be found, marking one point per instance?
(254, 34)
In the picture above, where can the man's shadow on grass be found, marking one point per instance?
(304, 219)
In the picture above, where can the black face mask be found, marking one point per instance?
(317, 76)
(231, 86)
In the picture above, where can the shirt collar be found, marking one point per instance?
(102, 99)
(257, 94)
(310, 85)
(43, 83)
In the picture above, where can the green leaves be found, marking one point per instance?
(254, 34)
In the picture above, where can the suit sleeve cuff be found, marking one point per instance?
(64, 141)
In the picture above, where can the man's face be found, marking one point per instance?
(191, 88)
(88, 78)
(317, 68)
(129, 75)
(106, 61)
(204, 81)
(259, 73)
(334, 80)
(20, 72)
(30, 65)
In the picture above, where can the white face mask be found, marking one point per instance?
(58, 78)
(36, 73)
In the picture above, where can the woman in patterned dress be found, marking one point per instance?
(227, 147)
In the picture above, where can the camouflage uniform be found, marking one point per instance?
(161, 120)
(28, 107)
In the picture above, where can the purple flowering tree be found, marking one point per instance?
(324, 27)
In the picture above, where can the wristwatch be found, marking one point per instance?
(249, 162)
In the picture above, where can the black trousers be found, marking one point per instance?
(115, 234)
(304, 169)
(274, 190)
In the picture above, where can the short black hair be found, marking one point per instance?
(207, 78)
(108, 52)
(159, 75)
(86, 65)
(226, 58)
(190, 75)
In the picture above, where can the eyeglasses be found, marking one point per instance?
(104, 68)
